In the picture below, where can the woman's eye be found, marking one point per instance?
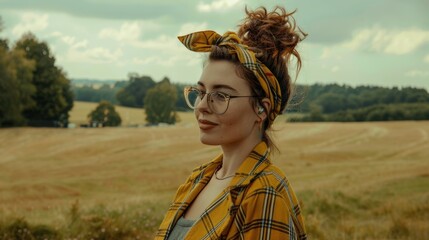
(220, 96)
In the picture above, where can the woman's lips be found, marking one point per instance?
(206, 125)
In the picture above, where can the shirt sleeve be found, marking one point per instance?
(265, 215)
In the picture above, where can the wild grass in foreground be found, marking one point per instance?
(335, 215)
(328, 215)
(98, 223)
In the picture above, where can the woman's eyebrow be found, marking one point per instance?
(219, 86)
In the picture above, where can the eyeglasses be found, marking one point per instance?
(217, 102)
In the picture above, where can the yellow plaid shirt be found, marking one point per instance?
(259, 203)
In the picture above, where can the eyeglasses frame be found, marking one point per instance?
(187, 89)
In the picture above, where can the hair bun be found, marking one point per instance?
(271, 33)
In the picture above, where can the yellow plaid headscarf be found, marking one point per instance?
(203, 42)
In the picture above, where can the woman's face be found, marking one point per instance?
(240, 120)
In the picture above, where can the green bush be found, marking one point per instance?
(390, 112)
(20, 229)
(106, 114)
(98, 223)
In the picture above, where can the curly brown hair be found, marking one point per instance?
(273, 36)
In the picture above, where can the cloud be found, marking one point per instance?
(378, 40)
(129, 31)
(79, 51)
(417, 73)
(217, 5)
(426, 59)
(95, 55)
(69, 40)
(190, 60)
(398, 42)
(331, 52)
(139, 61)
(335, 69)
(162, 42)
(192, 27)
(171, 52)
(157, 61)
(31, 22)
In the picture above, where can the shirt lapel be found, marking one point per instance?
(189, 191)
(217, 219)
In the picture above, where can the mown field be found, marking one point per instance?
(355, 180)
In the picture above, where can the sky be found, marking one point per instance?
(365, 42)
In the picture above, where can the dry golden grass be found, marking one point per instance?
(356, 180)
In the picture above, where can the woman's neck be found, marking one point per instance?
(234, 154)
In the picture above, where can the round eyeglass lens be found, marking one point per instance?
(192, 97)
(218, 102)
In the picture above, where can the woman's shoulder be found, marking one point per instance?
(272, 181)
(272, 178)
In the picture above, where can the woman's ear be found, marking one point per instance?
(263, 108)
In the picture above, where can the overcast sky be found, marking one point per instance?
(359, 42)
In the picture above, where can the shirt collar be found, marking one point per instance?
(255, 163)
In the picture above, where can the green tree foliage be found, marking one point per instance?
(385, 112)
(363, 103)
(181, 102)
(3, 42)
(67, 94)
(332, 102)
(106, 114)
(382, 112)
(134, 93)
(334, 98)
(160, 103)
(89, 93)
(107, 92)
(53, 96)
(16, 88)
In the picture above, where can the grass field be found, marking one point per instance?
(355, 180)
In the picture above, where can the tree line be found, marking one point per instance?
(127, 93)
(342, 103)
(317, 102)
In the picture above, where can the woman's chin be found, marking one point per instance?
(209, 141)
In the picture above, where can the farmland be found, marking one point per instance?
(358, 180)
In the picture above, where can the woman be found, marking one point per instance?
(244, 85)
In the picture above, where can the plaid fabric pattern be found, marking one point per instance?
(259, 203)
(203, 42)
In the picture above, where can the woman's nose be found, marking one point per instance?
(202, 105)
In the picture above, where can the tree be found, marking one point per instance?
(106, 114)
(160, 102)
(181, 102)
(3, 42)
(53, 97)
(16, 87)
(67, 94)
(134, 93)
